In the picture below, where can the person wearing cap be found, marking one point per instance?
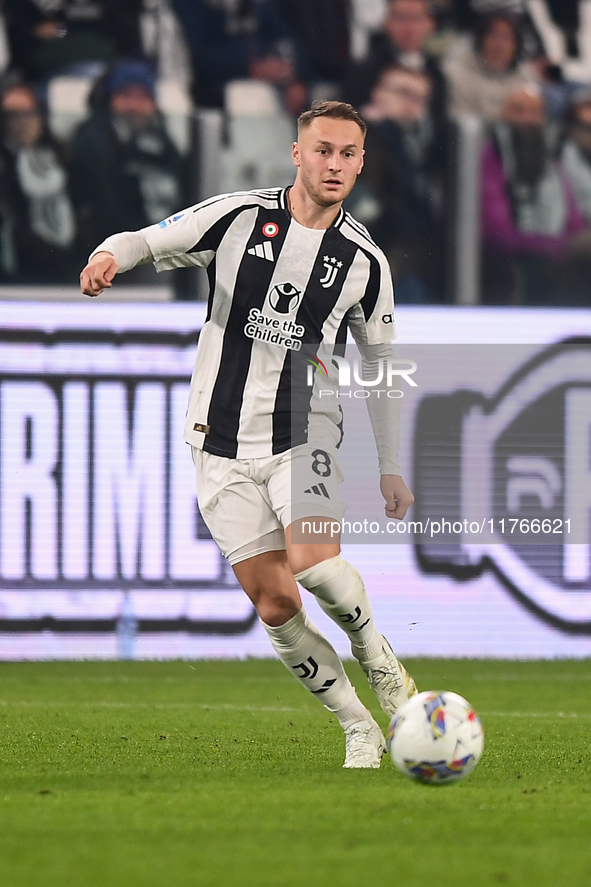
(126, 172)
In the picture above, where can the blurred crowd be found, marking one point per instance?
(414, 68)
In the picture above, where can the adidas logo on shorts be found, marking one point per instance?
(318, 490)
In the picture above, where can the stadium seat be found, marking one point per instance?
(67, 100)
(260, 134)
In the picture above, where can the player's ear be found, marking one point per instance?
(295, 153)
(361, 161)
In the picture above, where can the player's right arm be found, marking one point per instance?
(189, 238)
(98, 273)
(119, 252)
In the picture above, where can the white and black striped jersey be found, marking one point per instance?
(276, 289)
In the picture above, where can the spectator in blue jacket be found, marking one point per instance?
(126, 171)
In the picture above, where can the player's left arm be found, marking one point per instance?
(384, 415)
(373, 329)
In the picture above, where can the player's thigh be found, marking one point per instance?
(236, 509)
(304, 492)
(304, 483)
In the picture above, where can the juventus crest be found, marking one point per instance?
(332, 269)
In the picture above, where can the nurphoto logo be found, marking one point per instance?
(337, 370)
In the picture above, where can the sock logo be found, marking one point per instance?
(310, 670)
(351, 618)
(326, 686)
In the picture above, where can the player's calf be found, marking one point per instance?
(308, 655)
(340, 591)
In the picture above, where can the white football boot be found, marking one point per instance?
(389, 679)
(365, 746)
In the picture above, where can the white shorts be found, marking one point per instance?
(248, 503)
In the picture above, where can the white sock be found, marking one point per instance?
(339, 589)
(308, 655)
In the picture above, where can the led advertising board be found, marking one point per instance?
(103, 551)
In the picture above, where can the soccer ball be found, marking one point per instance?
(436, 738)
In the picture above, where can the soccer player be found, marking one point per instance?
(286, 267)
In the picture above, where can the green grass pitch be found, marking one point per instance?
(143, 774)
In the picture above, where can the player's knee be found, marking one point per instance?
(276, 608)
(321, 572)
(304, 557)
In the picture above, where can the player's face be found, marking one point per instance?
(329, 157)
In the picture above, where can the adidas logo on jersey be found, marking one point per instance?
(262, 251)
(318, 490)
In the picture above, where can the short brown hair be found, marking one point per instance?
(335, 110)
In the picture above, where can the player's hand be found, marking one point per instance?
(397, 495)
(98, 274)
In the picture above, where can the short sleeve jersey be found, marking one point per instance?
(276, 289)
